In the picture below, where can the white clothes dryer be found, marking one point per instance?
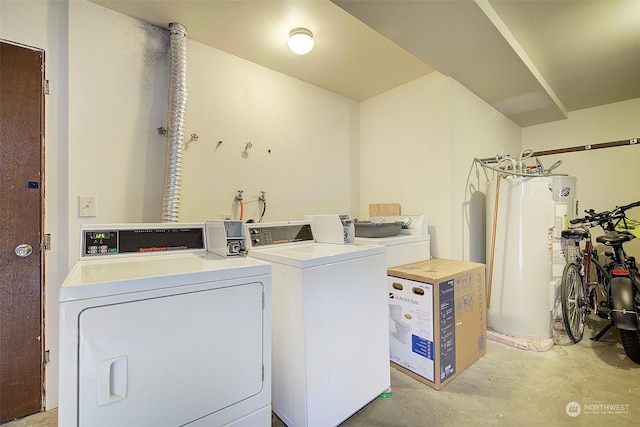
(330, 322)
(156, 331)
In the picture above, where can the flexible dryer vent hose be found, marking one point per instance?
(176, 113)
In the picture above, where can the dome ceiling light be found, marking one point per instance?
(300, 41)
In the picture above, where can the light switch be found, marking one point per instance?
(87, 205)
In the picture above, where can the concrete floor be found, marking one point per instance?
(507, 386)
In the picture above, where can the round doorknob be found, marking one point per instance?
(24, 250)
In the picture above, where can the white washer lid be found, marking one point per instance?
(307, 255)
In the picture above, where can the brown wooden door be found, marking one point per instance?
(21, 195)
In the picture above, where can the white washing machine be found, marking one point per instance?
(413, 244)
(155, 331)
(330, 321)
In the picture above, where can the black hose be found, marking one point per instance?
(264, 210)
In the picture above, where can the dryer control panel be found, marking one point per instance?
(146, 238)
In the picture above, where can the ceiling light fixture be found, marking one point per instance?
(300, 41)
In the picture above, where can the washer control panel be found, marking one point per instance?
(268, 235)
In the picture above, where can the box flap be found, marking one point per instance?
(433, 270)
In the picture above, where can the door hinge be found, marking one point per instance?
(46, 356)
(46, 87)
(263, 300)
(47, 242)
(262, 372)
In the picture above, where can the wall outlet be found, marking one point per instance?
(227, 216)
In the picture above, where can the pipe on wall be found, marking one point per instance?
(176, 114)
(631, 141)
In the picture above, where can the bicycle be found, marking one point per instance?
(609, 289)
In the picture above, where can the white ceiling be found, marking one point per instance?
(533, 60)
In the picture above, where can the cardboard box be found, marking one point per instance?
(437, 318)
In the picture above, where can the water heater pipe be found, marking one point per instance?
(587, 147)
(176, 113)
(493, 240)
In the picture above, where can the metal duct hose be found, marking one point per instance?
(175, 134)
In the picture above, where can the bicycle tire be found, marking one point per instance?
(631, 339)
(571, 292)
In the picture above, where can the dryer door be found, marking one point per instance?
(170, 360)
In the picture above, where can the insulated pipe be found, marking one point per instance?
(176, 113)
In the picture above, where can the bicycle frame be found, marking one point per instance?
(603, 278)
(586, 263)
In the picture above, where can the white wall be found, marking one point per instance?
(417, 147)
(301, 137)
(605, 177)
(478, 131)
(119, 99)
(118, 69)
(403, 147)
(43, 25)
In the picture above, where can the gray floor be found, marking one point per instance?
(507, 386)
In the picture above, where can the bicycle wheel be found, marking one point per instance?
(572, 297)
(631, 339)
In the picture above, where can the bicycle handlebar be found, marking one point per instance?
(629, 206)
(607, 219)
